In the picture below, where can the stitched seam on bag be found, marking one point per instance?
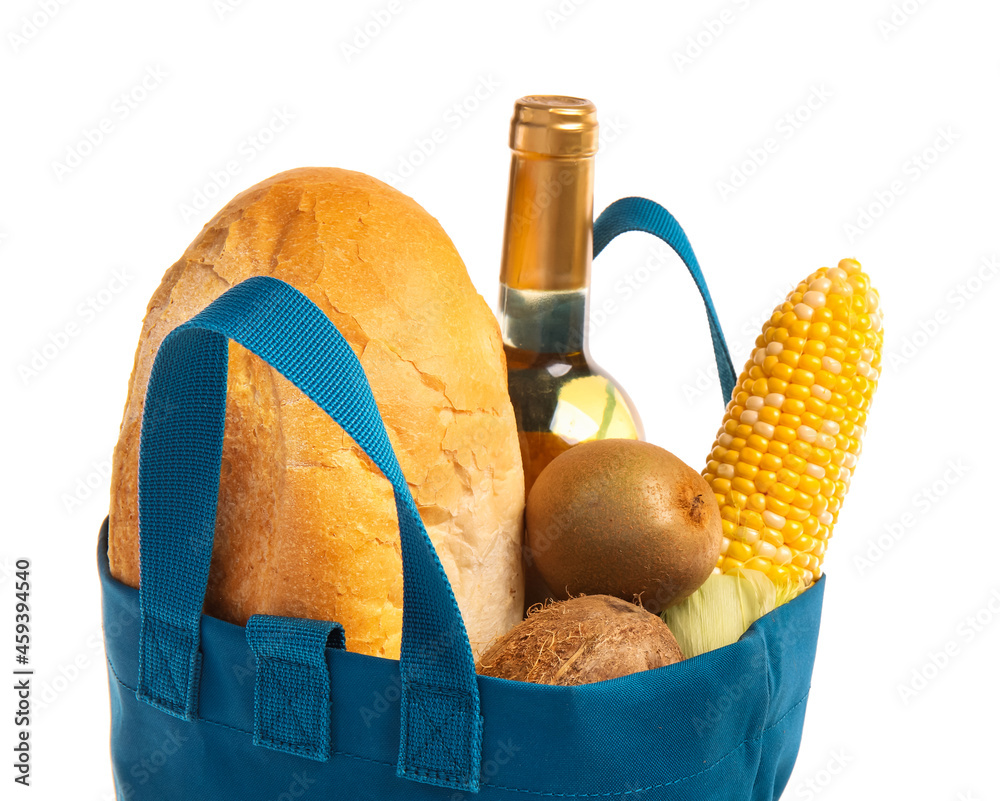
(270, 674)
(721, 759)
(153, 633)
(767, 678)
(681, 780)
(279, 717)
(418, 752)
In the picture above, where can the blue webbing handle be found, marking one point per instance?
(180, 458)
(639, 214)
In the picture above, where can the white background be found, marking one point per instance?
(904, 127)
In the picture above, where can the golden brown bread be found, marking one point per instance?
(306, 524)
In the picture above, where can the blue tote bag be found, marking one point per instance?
(205, 710)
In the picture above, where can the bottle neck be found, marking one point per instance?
(544, 320)
(547, 251)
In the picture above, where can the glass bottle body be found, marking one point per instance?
(560, 396)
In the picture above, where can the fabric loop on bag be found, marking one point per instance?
(292, 683)
(172, 668)
(180, 458)
(640, 214)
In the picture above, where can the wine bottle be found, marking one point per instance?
(560, 396)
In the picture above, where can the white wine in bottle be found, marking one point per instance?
(560, 396)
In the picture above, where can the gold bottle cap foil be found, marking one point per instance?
(554, 126)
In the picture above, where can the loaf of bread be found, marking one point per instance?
(306, 523)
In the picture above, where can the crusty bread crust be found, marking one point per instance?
(306, 524)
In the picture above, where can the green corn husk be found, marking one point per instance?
(722, 609)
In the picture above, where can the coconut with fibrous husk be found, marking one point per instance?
(585, 639)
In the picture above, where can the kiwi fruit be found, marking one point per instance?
(625, 518)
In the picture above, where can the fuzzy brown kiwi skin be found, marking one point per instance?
(623, 518)
(579, 641)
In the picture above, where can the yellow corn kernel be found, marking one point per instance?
(789, 357)
(769, 415)
(720, 486)
(798, 392)
(737, 499)
(778, 448)
(770, 461)
(814, 345)
(740, 551)
(772, 536)
(794, 464)
(775, 505)
(729, 564)
(788, 478)
(785, 434)
(793, 406)
(781, 492)
(808, 485)
(779, 575)
(800, 449)
(764, 479)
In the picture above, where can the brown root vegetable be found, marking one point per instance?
(579, 641)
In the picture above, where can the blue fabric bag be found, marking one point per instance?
(204, 710)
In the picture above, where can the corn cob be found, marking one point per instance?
(791, 436)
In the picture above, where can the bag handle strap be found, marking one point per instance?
(180, 458)
(639, 214)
